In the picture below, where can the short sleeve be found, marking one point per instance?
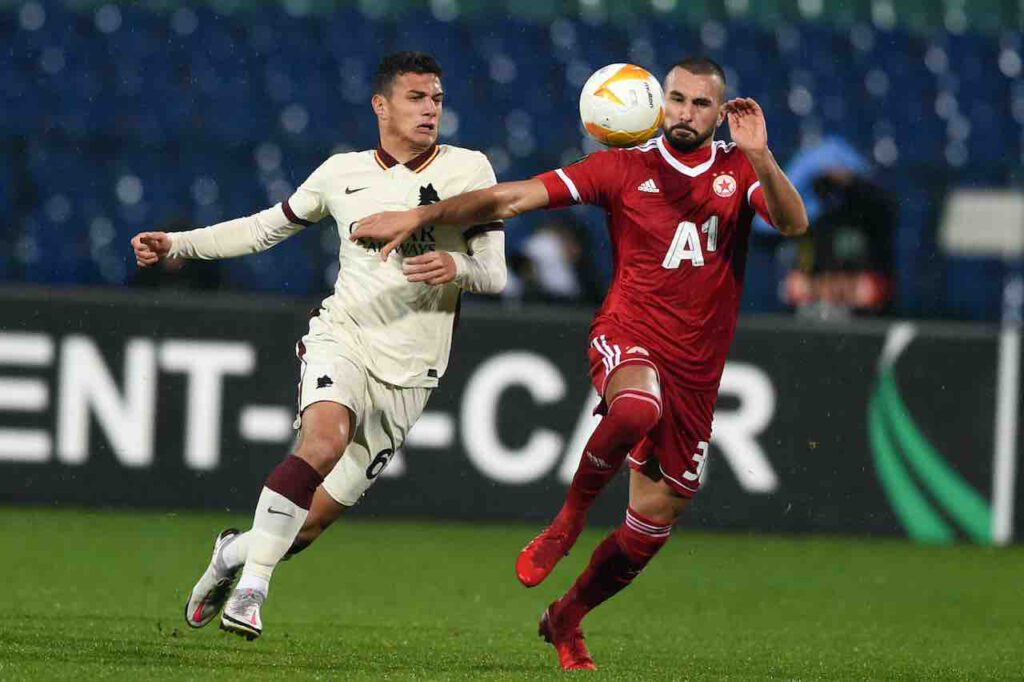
(591, 180)
(482, 178)
(754, 193)
(307, 205)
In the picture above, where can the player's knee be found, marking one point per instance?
(323, 450)
(636, 413)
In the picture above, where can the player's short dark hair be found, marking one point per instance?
(394, 65)
(701, 66)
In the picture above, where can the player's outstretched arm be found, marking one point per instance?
(150, 248)
(750, 133)
(231, 238)
(502, 201)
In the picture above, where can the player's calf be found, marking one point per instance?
(613, 566)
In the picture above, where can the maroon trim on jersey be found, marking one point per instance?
(486, 227)
(290, 215)
(415, 165)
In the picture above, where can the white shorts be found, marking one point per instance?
(331, 370)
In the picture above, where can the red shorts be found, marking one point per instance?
(677, 447)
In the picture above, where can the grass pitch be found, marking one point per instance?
(100, 595)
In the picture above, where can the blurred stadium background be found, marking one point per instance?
(891, 413)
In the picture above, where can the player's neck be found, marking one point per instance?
(698, 155)
(402, 151)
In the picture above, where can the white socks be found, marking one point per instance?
(234, 553)
(275, 524)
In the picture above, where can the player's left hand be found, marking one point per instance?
(436, 267)
(746, 124)
(392, 227)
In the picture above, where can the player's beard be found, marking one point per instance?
(687, 145)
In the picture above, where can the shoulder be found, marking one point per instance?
(617, 156)
(729, 153)
(463, 156)
(628, 156)
(344, 162)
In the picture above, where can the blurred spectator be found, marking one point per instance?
(844, 264)
(556, 265)
(179, 273)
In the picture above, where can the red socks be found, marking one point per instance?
(613, 566)
(631, 414)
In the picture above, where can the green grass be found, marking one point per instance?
(99, 595)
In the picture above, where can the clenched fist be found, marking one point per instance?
(150, 248)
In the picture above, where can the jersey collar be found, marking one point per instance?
(693, 163)
(416, 165)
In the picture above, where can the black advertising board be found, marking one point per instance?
(142, 400)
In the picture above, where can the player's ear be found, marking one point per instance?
(379, 104)
(720, 119)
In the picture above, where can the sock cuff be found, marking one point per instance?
(296, 480)
(644, 526)
(636, 394)
(639, 546)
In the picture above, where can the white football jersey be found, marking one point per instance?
(401, 331)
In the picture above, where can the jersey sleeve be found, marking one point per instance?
(754, 193)
(482, 177)
(590, 180)
(308, 205)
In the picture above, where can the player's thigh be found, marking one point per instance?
(636, 377)
(332, 397)
(618, 362)
(651, 496)
(390, 413)
(674, 453)
(325, 434)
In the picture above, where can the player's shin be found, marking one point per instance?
(614, 564)
(631, 414)
(282, 508)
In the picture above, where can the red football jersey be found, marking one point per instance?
(679, 225)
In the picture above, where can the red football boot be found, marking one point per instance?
(538, 558)
(568, 642)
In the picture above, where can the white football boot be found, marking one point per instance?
(242, 614)
(212, 590)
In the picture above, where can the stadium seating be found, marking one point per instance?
(119, 117)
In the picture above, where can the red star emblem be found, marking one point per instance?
(724, 185)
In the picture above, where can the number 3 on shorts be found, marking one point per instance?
(701, 458)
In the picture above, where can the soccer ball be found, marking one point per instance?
(622, 105)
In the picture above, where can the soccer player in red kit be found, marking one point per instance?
(679, 210)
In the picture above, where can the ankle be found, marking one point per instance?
(254, 582)
(572, 514)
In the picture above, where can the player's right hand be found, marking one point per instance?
(150, 247)
(393, 227)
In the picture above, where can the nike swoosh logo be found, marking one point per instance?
(349, 190)
(271, 510)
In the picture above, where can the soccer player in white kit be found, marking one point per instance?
(380, 342)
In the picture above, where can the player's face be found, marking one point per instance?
(693, 108)
(412, 112)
